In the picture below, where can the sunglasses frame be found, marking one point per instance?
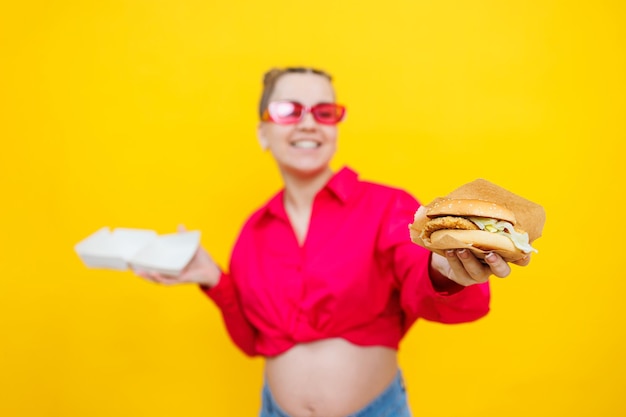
(269, 115)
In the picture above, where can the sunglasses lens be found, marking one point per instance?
(285, 112)
(328, 113)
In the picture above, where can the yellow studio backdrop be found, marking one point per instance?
(143, 114)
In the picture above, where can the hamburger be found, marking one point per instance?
(479, 225)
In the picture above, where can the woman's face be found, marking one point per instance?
(304, 148)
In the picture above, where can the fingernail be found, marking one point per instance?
(450, 253)
(463, 253)
(490, 257)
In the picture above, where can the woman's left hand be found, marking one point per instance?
(462, 267)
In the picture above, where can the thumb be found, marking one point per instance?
(181, 228)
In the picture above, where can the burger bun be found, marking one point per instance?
(479, 242)
(471, 207)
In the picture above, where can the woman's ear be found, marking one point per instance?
(261, 137)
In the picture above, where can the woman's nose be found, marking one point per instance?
(308, 121)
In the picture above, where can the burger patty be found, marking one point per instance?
(447, 222)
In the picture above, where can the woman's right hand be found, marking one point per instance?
(201, 270)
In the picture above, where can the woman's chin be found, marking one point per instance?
(307, 170)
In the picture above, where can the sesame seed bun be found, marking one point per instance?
(471, 207)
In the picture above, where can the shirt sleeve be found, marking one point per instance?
(411, 262)
(225, 296)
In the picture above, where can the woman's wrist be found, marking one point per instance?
(211, 276)
(440, 282)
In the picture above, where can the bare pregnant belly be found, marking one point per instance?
(329, 378)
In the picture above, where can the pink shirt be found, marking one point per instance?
(357, 276)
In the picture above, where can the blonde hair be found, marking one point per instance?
(271, 77)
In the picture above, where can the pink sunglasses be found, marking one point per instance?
(290, 112)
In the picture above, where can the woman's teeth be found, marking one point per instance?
(306, 144)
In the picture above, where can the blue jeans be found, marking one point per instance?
(390, 403)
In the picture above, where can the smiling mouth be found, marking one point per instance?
(306, 144)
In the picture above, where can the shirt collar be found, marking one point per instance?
(342, 185)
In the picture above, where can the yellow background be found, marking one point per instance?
(143, 114)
